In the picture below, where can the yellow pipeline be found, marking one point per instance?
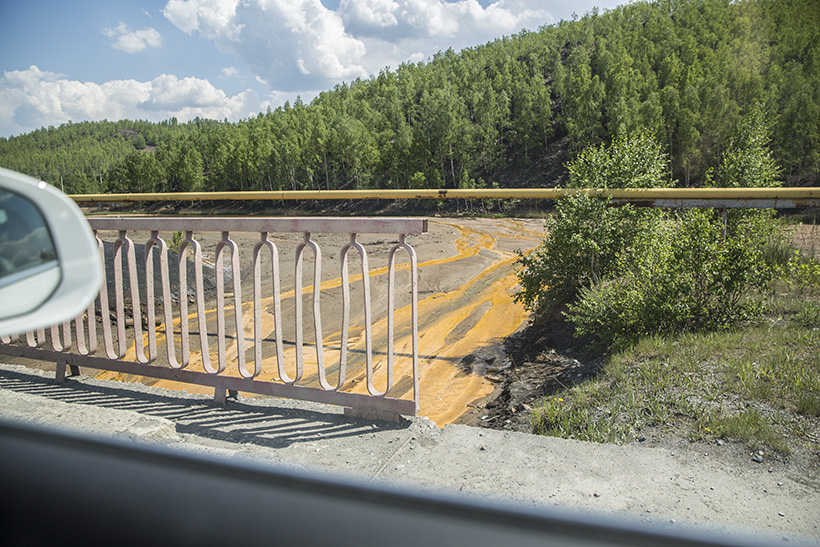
(637, 194)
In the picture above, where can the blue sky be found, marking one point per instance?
(154, 59)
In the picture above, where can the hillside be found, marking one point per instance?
(508, 113)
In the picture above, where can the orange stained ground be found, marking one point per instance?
(455, 323)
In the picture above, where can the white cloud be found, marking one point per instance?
(211, 18)
(424, 27)
(33, 98)
(300, 44)
(459, 24)
(133, 41)
(291, 44)
(370, 15)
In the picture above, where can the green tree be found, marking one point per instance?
(630, 161)
(182, 164)
(684, 70)
(583, 96)
(587, 241)
(748, 160)
(624, 273)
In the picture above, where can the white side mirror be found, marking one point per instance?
(50, 267)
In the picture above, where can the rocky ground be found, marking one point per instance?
(542, 361)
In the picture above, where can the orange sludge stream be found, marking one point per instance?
(466, 287)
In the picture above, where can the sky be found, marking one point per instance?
(152, 60)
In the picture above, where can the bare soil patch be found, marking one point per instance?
(545, 359)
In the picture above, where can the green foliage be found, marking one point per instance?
(632, 161)
(625, 273)
(757, 384)
(749, 425)
(690, 278)
(176, 241)
(749, 162)
(799, 271)
(184, 166)
(684, 70)
(137, 172)
(587, 241)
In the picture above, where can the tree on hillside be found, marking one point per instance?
(684, 70)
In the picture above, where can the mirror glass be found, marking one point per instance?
(29, 269)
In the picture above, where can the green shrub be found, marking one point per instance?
(691, 278)
(586, 240)
(748, 161)
(176, 240)
(631, 161)
(800, 271)
(624, 273)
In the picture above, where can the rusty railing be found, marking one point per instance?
(233, 345)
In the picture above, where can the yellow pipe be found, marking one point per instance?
(491, 193)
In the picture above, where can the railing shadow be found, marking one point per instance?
(261, 421)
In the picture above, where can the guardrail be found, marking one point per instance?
(252, 347)
(777, 198)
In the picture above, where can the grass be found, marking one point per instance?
(759, 383)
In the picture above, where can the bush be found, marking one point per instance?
(624, 273)
(631, 161)
(692, 278)
(748, 160)
(176, 241)
(586, 240)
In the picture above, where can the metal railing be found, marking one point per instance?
(249, 353)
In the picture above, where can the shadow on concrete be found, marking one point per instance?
(266, 422)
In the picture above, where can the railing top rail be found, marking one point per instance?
(334, 225)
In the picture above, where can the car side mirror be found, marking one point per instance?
(50, 267)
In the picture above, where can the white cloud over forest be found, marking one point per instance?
(34, 98)
(300, 44)
(291, 47)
